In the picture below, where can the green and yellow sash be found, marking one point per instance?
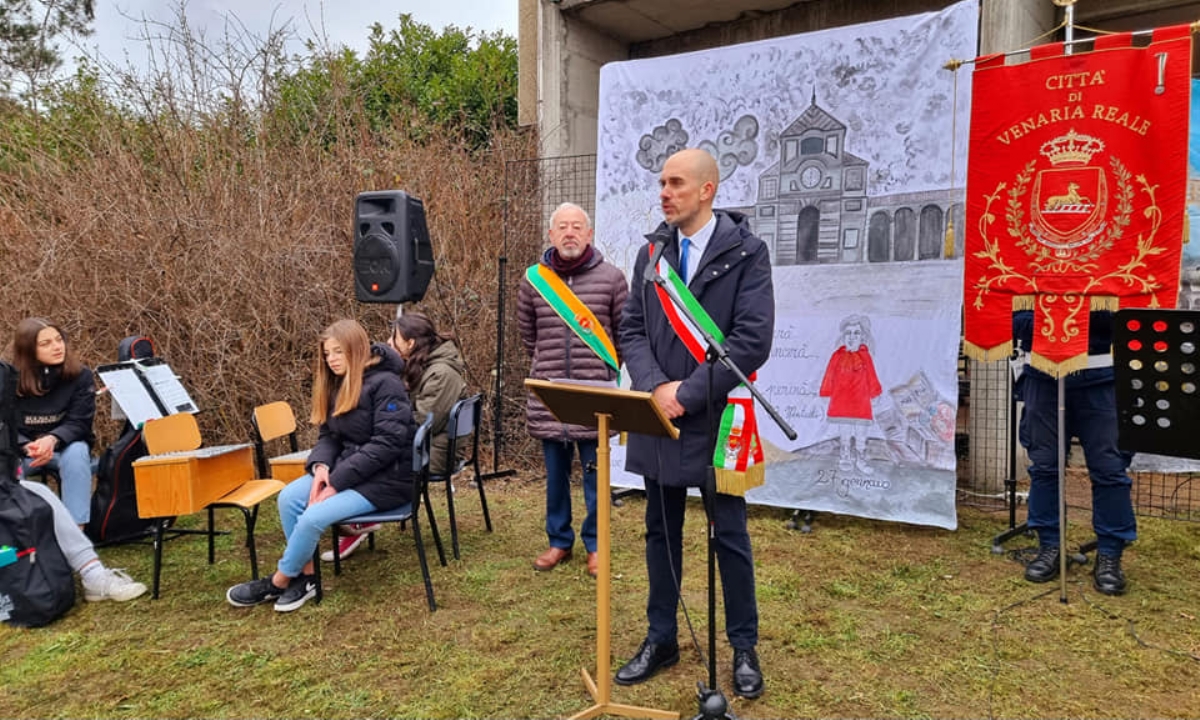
(574, 313)
(738, 454)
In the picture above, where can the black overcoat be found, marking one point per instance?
(733, 283)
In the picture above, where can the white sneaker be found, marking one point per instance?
(112, 585)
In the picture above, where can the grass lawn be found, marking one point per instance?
(858, 619)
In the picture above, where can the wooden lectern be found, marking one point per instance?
(606, 409)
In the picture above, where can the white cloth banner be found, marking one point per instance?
(836, 145)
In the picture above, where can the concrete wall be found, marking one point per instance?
(569, 81)
(799, 18)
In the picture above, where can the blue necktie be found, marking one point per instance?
(684, 244)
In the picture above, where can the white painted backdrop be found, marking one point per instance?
(885, 83)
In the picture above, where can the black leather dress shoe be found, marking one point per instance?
(1107, 576)
(1044, 567)
(747, 677)
(649, 659)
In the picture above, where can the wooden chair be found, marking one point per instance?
(463, 425)
(271, 422)
(402, 515)
(177, 437)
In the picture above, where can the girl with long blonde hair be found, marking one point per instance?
(362, 461)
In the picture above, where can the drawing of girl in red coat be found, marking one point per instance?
(851, 384)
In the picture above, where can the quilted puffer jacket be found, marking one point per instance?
(556, 351)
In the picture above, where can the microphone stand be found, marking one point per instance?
(713, 705)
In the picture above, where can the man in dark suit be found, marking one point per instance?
(728, 270)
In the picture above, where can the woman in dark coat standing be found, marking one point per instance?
(362, 461)
(56, 403)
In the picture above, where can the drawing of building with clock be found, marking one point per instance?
(812, 205)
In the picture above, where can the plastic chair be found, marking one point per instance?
(403, 514)
(181, 433)
(463, 423)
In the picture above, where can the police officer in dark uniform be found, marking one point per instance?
(1091, 416)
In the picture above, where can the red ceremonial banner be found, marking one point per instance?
(1075, 190)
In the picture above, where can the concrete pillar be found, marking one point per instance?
(1007, 25)
(527, 61)
(552, 33)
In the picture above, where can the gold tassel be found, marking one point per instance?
(1023, 302)
(732, 482)
(982, 354)
(1059, 369)
(949, 249)
(1111, 303)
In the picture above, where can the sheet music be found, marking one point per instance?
(203, 452)
(168, 388)
(128, 391)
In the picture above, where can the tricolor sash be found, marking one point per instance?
(738, 454)
(573, 312)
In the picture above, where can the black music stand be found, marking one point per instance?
(1156, 359)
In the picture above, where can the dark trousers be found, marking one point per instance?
(559, 456)
(1091, 416)
(664, 564)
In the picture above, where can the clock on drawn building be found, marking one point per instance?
(811, 176)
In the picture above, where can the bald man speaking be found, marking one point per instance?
(728, 271)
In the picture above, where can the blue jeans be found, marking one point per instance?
(559, 455)
(304, 524)
(1091, 416)
(74, 467)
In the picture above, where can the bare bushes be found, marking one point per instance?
(226, 235)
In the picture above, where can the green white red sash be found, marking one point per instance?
(738, 454)
(573, 312)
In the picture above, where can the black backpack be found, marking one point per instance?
(36, 583)
(10, 457)
(114, 517)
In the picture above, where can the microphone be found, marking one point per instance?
(649, 274)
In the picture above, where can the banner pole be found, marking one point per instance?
(1068, 49)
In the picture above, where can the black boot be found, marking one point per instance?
(1107, 576)
(1044, 567)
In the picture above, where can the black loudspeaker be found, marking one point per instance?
(393, 257)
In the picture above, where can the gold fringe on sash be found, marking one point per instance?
(732, 482)
(1111, 303)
